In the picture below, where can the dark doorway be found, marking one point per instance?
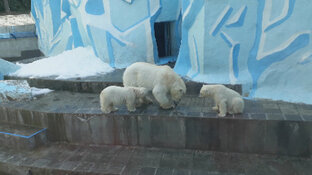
(163, 39)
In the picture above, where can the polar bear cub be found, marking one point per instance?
(113, 96)
(166, 85)
(226, 100)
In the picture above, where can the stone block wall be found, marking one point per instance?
(15, 6)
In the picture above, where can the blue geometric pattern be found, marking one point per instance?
(245, 44)
(265, 45)
(67, 24)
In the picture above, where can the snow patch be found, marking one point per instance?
(14, 90)
(79, 62)
(16, 20)
(37, 91)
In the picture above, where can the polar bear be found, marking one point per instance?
(113, 96)
(226, 100)
(166, 85)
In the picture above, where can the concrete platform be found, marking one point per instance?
(21, 137)
(265, 127)
(18, 39)
(95, 84)
(66, 159)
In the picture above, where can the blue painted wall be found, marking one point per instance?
(263, 44)
(7, 68)
(121, 32)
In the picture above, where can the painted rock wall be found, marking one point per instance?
(7, 68)
(14, 90)
(263, 44)
(120, 31)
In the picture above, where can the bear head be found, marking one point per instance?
(178, 89)
(140, 92)
(206, 91)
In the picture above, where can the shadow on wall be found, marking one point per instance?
(14, 6)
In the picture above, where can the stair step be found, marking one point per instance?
(265, 127)
(16, 39)
(26, 56)
(122, 160)
(95, 84)
(21, 137)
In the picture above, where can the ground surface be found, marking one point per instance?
(150, 161)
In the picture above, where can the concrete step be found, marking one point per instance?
(265, 127)
(66, 159)
(18, 42)
(25, 55)
(21, 137)
(96, 84)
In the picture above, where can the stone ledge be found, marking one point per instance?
(76, 118)
(121, 160)
(96, 84)
(21, 137)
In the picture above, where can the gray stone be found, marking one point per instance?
(246, 136)
(272, 116)
(3, 114)
(202, 133)
(147, 171)
(258, 116)
(164, 171)
(305, 111)
(21, 137)
(294, 117)
(167, 132)
(68, 165)
(56, 126)
(84, 167)
(145, 158)
(289, 109)
(307, 118)
(126, 130)
(181, 172)
(177, 160)
(253, 107)
(292, 139)
(102, 130)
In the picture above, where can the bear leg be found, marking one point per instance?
(215, 108)
(222, 107)
(160, 95)
(131, 105)
(106, 109)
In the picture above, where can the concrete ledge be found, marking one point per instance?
(96, 84)
(16, 39)
(192, 125)
(21, 137)
(61, 159)
(13, 47)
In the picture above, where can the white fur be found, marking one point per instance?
(226, 100)
(113, 96)
(166, 85)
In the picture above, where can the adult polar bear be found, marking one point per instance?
(166, 85)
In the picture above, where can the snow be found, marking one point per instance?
(16, 20)
(18, 90)
(37, 91)
(79, 62)
(14, 90)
